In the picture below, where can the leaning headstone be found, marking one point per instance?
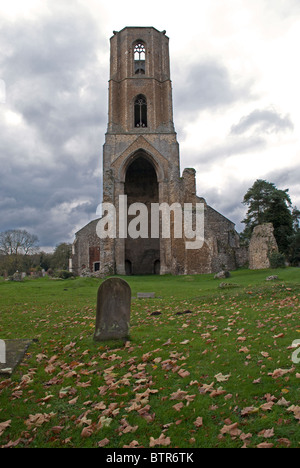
(113, 310)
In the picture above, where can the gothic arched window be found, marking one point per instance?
(140, 111)
(139, 54)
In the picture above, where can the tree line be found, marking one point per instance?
(19, 251)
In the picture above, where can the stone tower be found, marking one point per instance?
(141, 153)
(141, 165)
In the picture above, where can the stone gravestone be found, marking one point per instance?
(11, 354)
(113, 310)
(141, 295)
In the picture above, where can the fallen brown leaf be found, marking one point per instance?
(267, 433)
(178, 406)
(162, 440)
(87, 432)
(265, 445)
(4, 426)
(198, 422)
(231, 429)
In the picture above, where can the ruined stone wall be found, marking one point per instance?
(242, 257)
(224, 239)
(86, 249)
(221, 241)
(220, 250)
(262, 245)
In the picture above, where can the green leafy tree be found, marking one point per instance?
(294, 252)
(60, 256)
(294, 247)
(267, 204)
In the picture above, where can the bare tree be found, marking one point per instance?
(17, 241)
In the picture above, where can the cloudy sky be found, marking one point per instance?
(235, 74)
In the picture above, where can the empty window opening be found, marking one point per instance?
(139, 59)
(140, 111)
(96, 266)
(128, 267)
(157, 267)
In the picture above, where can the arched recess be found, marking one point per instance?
(153, 159)
(142, 252)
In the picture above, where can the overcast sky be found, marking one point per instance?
(235, 74)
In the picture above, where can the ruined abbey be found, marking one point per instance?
(141, 161)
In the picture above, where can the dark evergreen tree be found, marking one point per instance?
(267, 204)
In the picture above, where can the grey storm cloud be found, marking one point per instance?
(206, 158)
(206, 85)
(263, 121)
(51, 161)
(288, 178)
(51, 72)
(229, 202)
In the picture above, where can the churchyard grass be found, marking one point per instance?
(213, 367)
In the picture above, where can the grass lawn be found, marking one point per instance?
(221, 375)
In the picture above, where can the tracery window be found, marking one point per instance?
(139, 58)
(140, 111)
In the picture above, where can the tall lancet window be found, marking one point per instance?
(139, 59)
(140, 111)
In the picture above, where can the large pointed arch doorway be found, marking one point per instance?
(141, 186)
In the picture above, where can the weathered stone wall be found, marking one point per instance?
(242, 256)
(262, 245)
(125, 85)
(223, 237)
(220, 250)
(86, 248)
